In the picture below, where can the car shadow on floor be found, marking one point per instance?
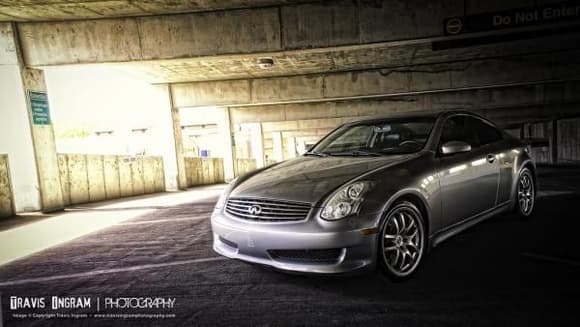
(478, 271)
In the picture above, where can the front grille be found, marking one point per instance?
(307, 256)
(267, 210)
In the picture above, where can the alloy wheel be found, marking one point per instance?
(526, 193)
(402, 240)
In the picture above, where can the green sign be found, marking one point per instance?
(39, 107)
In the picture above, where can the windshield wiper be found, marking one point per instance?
(356, 153)
(317, 154)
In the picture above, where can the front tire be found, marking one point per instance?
(402, 241)
(525, 193)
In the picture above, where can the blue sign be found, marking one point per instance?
(39, 108)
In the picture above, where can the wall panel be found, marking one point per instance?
(569, 141)
(92, 178)
(202, 171)
(6, 195)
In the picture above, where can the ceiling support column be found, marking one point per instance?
(171, 138)
(26, 130)
(225, 127)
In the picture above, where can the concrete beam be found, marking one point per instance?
(156, 37)
(211, 94)
(526, 99)
(384, 82)
(334, 59)
(233, 31)
(34, 10)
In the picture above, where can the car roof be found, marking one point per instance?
(416, 114)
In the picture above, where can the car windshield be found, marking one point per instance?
(395, 136)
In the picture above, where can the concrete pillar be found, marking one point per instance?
(301, 145)
(26, 131)
(278, 146)
(554, 142)
(169, 135)
(226, 134)
(258, 144)
(291, 147)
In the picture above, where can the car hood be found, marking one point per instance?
(308, 179)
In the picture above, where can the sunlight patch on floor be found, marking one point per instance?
(82, 220)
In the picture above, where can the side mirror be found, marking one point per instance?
(453, 147)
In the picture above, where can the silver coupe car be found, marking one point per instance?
(378, 192)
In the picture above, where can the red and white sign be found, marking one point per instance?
(454, 26)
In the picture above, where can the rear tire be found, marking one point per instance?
(402, 241)
(525, 197)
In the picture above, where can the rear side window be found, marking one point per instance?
(484, 133)
(470, 130)
(457, 128)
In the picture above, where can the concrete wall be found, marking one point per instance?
(542, 131)
(91, 178)
(244, 166)
(6, 197)
(569, 141)
(561, 138)
(204, 171)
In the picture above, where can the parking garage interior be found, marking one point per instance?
(235, 86)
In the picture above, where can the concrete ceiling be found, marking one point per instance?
(48, 10)
(246, 66)
(325, 60)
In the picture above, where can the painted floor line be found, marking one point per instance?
(161, 221)
(552, 259)
(108, 271)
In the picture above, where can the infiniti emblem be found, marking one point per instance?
(255, 210)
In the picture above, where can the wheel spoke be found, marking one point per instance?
(391, 248)
(403, 223)
(397, 230)
(403, 255)
(407, 252)
(412, 245)
(528, 204)
(387, 236)
(411, 225)
(397, 255)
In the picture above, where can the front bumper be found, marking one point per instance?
(256, 242)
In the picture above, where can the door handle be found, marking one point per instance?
(490, 158)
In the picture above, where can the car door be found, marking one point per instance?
(486, 166)
(468, 180)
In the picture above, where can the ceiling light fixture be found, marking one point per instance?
(266, 63)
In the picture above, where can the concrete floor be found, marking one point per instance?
(506, 271)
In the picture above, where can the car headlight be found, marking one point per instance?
(346, 201)
(225, 194)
